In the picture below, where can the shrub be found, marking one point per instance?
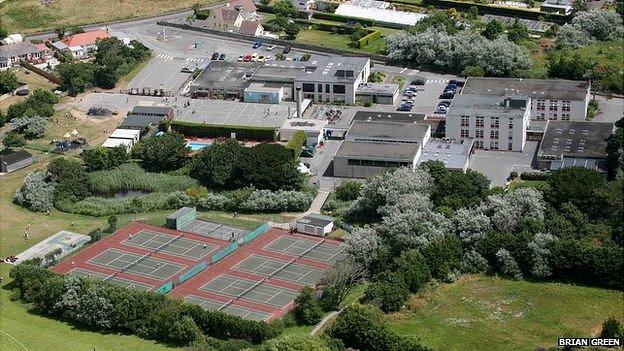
(276, 201)
(369, 38)
(513, 175)
(348, 190)
(223, 131)
(215, 202)
(130, 176)
(31, 126)
(162, 153)
(612, 328)
(37, 193)
(8, 82)
(95, 235)
(534, 176)
(97, 206)
(297, 142)
(100, 158)
(13, 139)
(307, 310)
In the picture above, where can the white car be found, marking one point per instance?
(303, 168)
(410, 93)
(240, 58)
(270, 47)
(254, 57)
(268, 57)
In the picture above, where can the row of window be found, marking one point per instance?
(493, 145)
(377, 163)
(553, 117)
(336, 88)
(465, 133)
(480, 122)
(553, 105)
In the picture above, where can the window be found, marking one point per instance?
(494, 122)
(541, 105)
(510, 136)
(465, 133)
(494, 145)
(510, 124)
(510, 146)
(327, 87)
(565, 105)
(479, 134)
(480, 121)
(552, 105)
(479, 144)
(319, 88)
(540, 117)
(565, 117)
(308, 87)
(339, 89)
(465, 121)
(553, 117)
(494, 134)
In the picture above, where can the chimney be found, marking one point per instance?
(298, 100)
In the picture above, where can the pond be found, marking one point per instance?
(122, 194)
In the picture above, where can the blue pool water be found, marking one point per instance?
(196, 146)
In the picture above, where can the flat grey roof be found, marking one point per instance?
(140, 121)
(15, 157)
(556, 89)
(322, 69)
(153, 110)
(388, 116)
(378, 151)
(278, 71)
(17, 49)
(224, 75)
(316, 219)
(453, 153)
(575, 139)
(486, 105)
(377, 89)
(391, 131)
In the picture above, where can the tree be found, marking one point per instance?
(493, 29)
(162, 153)
(112, 224)
(270, 166)
(612, 328)
(615, 152)
(31, 127)
(358, 33)
(456, 189)
(412, 266)
(307, 310)
(60, 32)
(72, 181)
(602, 25)
(294, 342)
(388, 292)
(578, 186)
(339, 280)
(348, 190)
(13, 139)
(291, 29)
(100, 158)
(507, 265)
(36, 194)
(473, 71)
(564, 64)
(517, 32)
(285, 8)
(8, 82)
(76, 77)
(216, 166)
(569, 36)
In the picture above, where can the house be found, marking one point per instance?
(232, 15)
(574, 144)
(11, 55)
(315, 224)
(562, 7)
(81, 44)
(15, 160)
(252, 28)
(495, 123)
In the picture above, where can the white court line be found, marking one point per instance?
(403, 70)
(14, 339)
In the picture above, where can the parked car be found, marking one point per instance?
(410, 93)
(441, 109)
(447, 95)
(268, 57)
(445, 103)
(270, 47)
(222, 57)
(456, 82)
(247, 58)
(186, 70)
(286, 50)
(241, 58)
(257, 45)
(419, 81)
(308, 151)
(261, 58)
(254, 57)
(412, 88)
(409, 101)
(215, 56)
(405, 107)
(303, 169)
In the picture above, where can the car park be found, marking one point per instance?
(215, 56)
(257, 44)
(270, 47)
(222, 57)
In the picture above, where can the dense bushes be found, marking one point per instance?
(40, 103)
(307, 310)
(162, 153)
(131, 176)
(31, 126)
(100, 158)
(348, 190)
(36, 194)
(223, 131)
(252, 200)
(102, 306)
(296, 143)
(8, 82)
(497, 10)
(534, 175)
(98, 206)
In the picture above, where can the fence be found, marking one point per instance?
(195, 270)
(255, 233)
(223, 253)
(167, 287)
(52, 78)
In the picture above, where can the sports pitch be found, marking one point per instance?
(178, 246)
(142, 265)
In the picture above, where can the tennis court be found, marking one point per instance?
(214, 230)
(124, 283)
(279, 269)
(172, 245)
(214, 305)
(315, 250)
(136, 264)
(251, 290)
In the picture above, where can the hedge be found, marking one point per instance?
(297, 142)
(225, 131)
(367, 39)
(534, 176)
(340, 18)
(499, 10)
(329, 27)
(269, 9)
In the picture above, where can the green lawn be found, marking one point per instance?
(324, 38)
(518, 183)
(489, 313)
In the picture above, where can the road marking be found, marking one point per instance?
(403, 70)
(14, 339)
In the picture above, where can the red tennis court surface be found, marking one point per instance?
(141, 256)
(262, 278)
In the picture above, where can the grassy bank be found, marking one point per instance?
(479, 313)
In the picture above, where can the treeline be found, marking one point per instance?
(113, 59)
(101, 306)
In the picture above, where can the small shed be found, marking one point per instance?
(16, 160)
(315, 224)
(129, 134)
(181, 217)
(112, 142)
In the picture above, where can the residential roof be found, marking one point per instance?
(378, 151)
(140, 121)
(17, 49)
(59, 45)
(249, 27)
(41, 47)
(557, 3)
(387, 132)
(85, 38)
(482, 105)
(377, 89)
(226, 15)
(125, 133)
(152, 110)
(333, 69)
(556, 89)
(246, 5)
(453, 153)
(388, 116)
(316, 219)
(15, 157)
(575, 139)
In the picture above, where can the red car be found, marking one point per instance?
(246, 58)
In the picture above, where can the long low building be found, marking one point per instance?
(454, 154)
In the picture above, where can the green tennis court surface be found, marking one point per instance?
(315, 250)
(125, 283)
(272, 267)
(178, 246)
(136, 264)
(214, 305)
(258, 292)
(214, 230)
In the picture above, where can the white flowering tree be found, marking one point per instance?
(601, 25)
(507, 264)
(37, 193)
(540, 254)
(471, 226)
(507, 211)
(362, 245)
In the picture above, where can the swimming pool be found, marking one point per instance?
(196, 145)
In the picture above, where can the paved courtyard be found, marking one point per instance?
(496, 165)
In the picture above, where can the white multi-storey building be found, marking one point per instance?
(495, 123)
(551, 99)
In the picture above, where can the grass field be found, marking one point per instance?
(488, 313)
(33, 80)
(519, 183)
(27, 16)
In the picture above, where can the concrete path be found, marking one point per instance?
(323, 321)
(319, 200)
